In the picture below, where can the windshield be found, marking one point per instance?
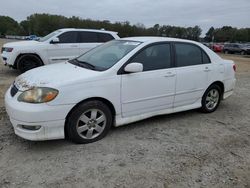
(49, 36)
(105, 56)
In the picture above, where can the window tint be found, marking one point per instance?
(88, 37)
(154, 57)
(68, 37)
(205, 58)
(104, 37)
(187, 54)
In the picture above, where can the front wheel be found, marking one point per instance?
(28, 62)
(89, 122)
(211, 99)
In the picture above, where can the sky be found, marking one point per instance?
(204, 13)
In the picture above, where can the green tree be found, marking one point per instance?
(210, 35)
(8, 26)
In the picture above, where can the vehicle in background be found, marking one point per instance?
(32, 37)
(58, 46)
(119, 82)
(232, 48)
(217, 47)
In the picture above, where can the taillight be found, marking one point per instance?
(234, 67)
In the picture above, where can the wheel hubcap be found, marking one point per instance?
(91, 124)
(212, 99)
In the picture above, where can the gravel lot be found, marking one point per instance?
(187, 149)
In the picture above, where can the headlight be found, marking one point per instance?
(38, 95)
(4, 49)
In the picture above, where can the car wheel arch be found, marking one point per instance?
(26, 54)
(105, 101)
(218, 83)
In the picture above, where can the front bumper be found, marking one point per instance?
(50, 119)
(8, 58)
(48, 131)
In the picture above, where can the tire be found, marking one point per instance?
(211, 99)
(226, 52)
(28, 62)
(82, 124)
(242, 53)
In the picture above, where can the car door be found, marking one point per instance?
(67, 48)
(154, 88)
(87, 41)
(192, 74)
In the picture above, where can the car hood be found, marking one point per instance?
(55, 76)
(22, 43)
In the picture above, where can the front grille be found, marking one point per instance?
(13, 90)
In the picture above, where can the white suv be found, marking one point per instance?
(59, 46)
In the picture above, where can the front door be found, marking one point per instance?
(154, 88)
(66, 49)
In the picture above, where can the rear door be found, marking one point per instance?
(87, 40)
(192, 73)
(66, 49)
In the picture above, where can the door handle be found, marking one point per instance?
(169, 74)
(207, 69)
(74, 46)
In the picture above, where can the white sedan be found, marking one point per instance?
(117, 83)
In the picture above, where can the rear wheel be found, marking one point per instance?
(226, 52)
(89, 122)
(27, 62)
(211, 99)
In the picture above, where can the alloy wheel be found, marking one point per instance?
(212, 99)
(91, 124)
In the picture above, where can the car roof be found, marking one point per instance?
(157, 39)
(213, 56)
(90, 30)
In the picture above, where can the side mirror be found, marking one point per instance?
(55, 40)
(133, 68)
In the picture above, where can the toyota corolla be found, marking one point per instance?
(117, 83)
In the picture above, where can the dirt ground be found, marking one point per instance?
(187, 149)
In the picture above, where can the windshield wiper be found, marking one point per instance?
(83, 64)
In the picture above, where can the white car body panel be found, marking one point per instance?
(189, 88)
(140, 94)
(70, 51)
(51, 53)
(133, 96)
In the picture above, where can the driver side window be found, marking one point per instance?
(154, 57)
(68, 37)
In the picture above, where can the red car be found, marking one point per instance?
(217, 47)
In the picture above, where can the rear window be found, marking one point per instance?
(105, 37)
(88, 37)
(205, 58)
(188, 54)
